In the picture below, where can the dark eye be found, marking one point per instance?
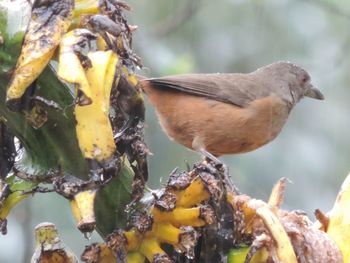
(305, 79)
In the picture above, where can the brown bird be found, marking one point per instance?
(228, 113)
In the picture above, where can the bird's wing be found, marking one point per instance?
(237, 89)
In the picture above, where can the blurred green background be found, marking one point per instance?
(181, 36)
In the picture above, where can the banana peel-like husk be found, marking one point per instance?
(70, 68)
(94, 130)
(339, 220)
(83, 7)
(43, 35)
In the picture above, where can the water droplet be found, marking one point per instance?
(190, 255)
(88, 235)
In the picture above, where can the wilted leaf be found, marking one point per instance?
(49, 21)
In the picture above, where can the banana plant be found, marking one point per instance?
(71, 117)
(39, 109)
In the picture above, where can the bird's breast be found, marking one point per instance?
(221, 128)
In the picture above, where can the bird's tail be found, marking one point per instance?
(143, 83)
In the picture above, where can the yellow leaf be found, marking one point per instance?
(47, 25)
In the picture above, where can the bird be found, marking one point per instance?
(228, 113)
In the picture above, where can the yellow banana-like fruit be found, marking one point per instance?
(133, 239)
(43, 35)
(150, 248)
(195, 216)
(101, 253)
(49, 247)
(166, 233)
(195, 193)
(82, 206)
(98, 253)
(135, 257)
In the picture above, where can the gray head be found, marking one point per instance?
(289, 81)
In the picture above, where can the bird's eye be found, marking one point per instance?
(305, 79)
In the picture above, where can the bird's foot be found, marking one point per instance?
(220, 166)
(211, 158)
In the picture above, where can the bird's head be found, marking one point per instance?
(291, 82)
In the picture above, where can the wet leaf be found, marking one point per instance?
(49, 21)
(111, 202)
(44, 149)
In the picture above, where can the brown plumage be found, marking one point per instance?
(228, 113)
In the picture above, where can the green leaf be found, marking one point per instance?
(237, 255)
(15, 194)
(17, 184)
(111, 202)
(54, 145)
(14, 17)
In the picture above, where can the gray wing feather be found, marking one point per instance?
(237, 89)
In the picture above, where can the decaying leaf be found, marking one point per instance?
(49, 21)
(310, 244)
(277, 193)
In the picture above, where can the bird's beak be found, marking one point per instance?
(314, 93)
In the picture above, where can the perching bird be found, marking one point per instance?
(228, 113)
